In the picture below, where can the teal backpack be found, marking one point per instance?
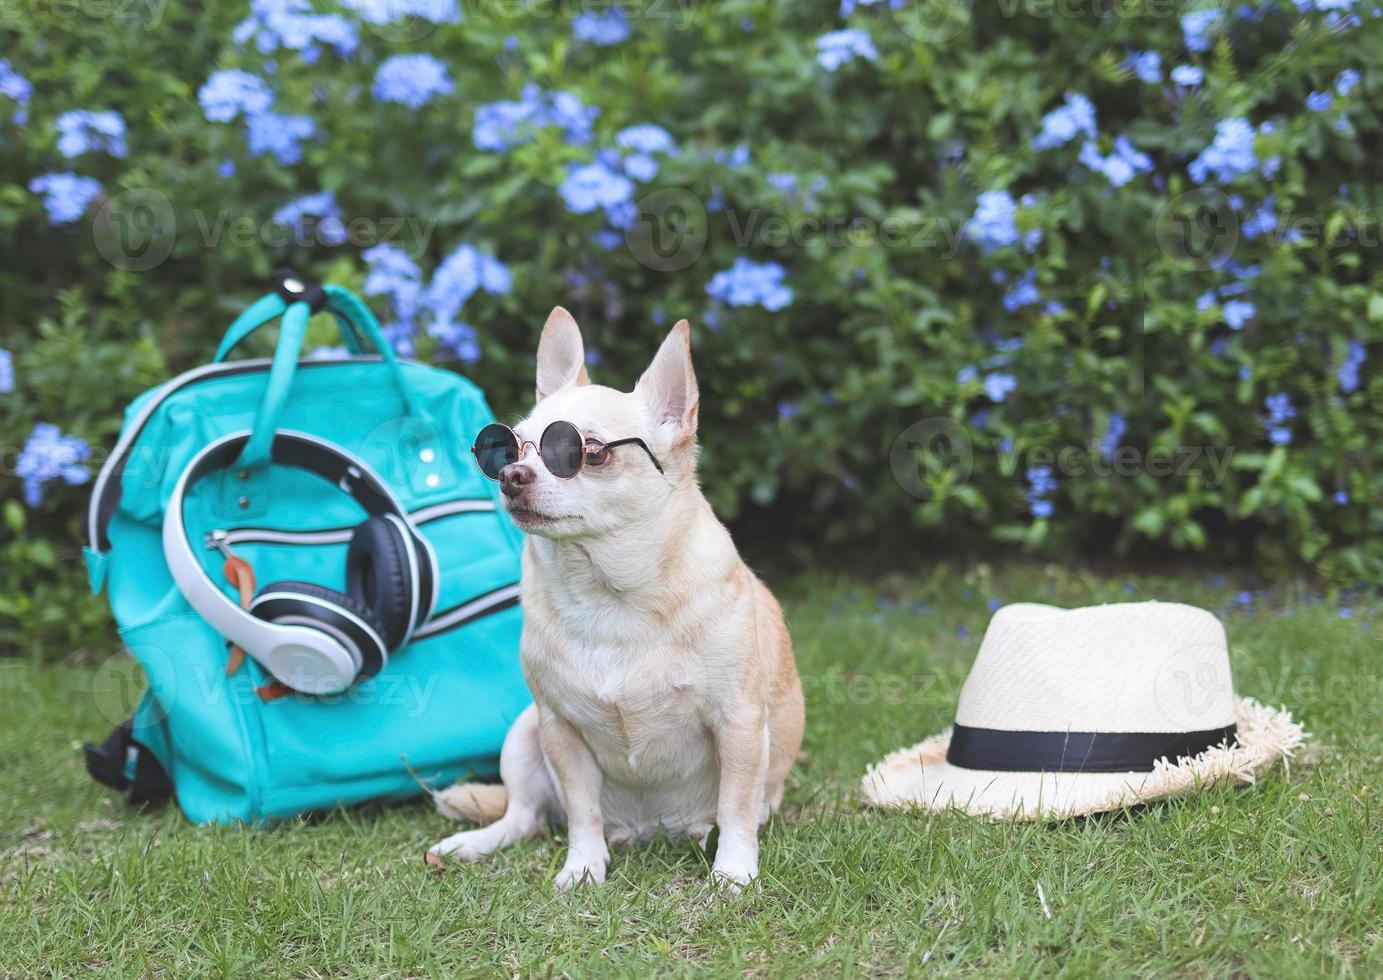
(236, 745)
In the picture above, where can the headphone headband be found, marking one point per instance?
(304, 452)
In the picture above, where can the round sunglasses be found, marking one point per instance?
(562, 448)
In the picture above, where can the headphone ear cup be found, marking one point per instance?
(379, 577)
(293, 603)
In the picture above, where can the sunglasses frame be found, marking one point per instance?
(586, 441)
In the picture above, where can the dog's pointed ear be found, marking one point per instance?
(561, 355)
(669, 384)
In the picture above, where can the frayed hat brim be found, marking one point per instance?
(920, 777)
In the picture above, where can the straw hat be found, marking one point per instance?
(1075, 711)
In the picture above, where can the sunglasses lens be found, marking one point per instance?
(561, 449)
(495, 448)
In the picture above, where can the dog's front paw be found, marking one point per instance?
(733, 876)
(582, 870)
(469, 845)
(737, 864)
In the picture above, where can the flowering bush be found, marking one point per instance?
(1059, 276)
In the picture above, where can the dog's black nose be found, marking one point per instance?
(514, 477)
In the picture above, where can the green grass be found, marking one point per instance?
(1277, 880)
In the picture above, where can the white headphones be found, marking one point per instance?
(314, 639)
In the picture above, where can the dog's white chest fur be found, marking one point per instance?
(639, 707)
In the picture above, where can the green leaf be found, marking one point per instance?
(1149, 522)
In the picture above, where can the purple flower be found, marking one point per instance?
(1113, 435)
(457, 337)
(65, 195)
(1041, 485)
(593, 186)
(15, 87)
(1022, 293)
(48, 455)
(1120, 166)
(228, 93)
(411, 80)
(997, 386)
(642, 167)
(574, 118)
(1231, 153)
(331, 229)
(646, 141)
(1147, 65)
(393, 274)
(279, 135)
(1280, 414)
(1187, 75)
(1238, 312)
(6, 372)
(1319, 101)
(839, 47)
(785, 182)
(1345, 82)
(500, 126)
(847, 7)
(646, 138)
(994, 224)
(1262, 220)
(460, 275)
(748, 283)
(391, 11)
(1197, 28)
(292, 24)
(736, 157)
(1349, 367)
(604, 29)
(82, 131)
(1072, 118)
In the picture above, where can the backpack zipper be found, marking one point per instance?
(497, 600)
(486, 604)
